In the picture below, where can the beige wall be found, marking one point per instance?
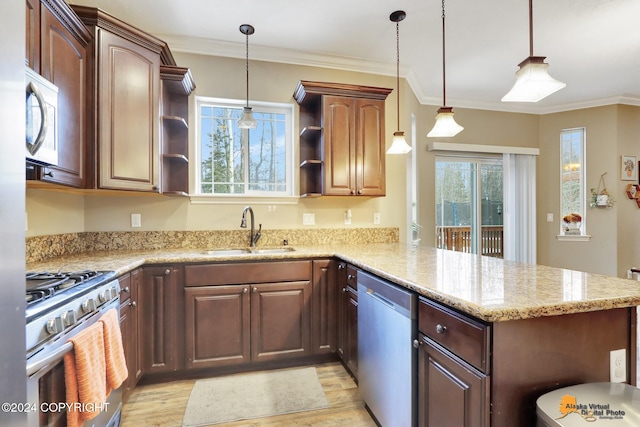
(56, 213)
(628, 231)
(481, 127)
(611, 131)
(598, 255)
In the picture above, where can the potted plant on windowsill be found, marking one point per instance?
(572, 223)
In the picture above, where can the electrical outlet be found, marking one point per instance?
(618, 366)
(376, 218)
(308, 219)
(549, 217)
(136, 220)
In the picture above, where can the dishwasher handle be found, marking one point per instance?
(373, 294)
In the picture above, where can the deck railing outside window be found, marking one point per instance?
(458, 238)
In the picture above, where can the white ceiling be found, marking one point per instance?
(591, 45)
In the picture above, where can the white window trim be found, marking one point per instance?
(288, 197)
(581, 237)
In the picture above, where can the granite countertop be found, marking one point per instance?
(489, 289)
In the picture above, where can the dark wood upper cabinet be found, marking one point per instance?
(342, 140)
(32, 35)
(58, 46)
(126, 68)
(177, 84)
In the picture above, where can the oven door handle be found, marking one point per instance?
(48, 359)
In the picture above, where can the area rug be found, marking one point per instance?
(253, 395)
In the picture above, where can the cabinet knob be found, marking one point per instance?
(245, 290)
(255, 289)
(350, 277)
(416, 343)
(133, 304)
(341, 266)
(167, 272)
(49, 174)
(441, 329)
(125, 289)
(352, 192)
(344, 289)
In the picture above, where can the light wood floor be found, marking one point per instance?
(163, 405)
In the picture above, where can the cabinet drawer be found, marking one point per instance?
(125, 287)
(465, 337)
(352, 278)
(241, 273)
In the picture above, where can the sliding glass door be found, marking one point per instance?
(469, 205)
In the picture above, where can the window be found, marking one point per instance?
(244, 162)
(572, 182)
(469, 205)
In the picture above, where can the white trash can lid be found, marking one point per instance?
(592, 404)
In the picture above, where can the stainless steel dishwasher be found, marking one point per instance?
(387, 358)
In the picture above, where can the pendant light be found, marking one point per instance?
(446, 125)
(247, 121)
(399, 143)
(533, 81)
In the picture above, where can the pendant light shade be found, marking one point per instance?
(533, 81)
(399, 143)
(247, 121)
(445, 126)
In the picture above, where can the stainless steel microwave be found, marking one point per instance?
(42, 120)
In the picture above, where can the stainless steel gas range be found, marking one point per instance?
(59, 306)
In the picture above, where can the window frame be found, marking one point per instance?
(288, 196)
(583, 186)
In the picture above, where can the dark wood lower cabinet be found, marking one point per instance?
(217, 320)
(129, 326)
(161, 299)
(324, 315)
(451, 392)
(280, 321)
(242, 323)
(347, 330)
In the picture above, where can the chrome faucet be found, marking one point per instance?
(255, 236)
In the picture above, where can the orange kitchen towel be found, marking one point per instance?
(116, 363)
(85, 375)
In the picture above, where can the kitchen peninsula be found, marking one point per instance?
(521, 329)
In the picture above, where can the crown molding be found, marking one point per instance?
(211, 47)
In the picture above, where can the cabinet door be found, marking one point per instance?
(280, 320)
(450, 391)
(323, 318)
(159, 302)
(370, 153)
(217, 326)
(64, 63)
(341, 335)
(128, 92)
(32, 34)
(339, 145)
(136, 373)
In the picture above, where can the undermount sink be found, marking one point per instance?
(247, 251)
(272, 250)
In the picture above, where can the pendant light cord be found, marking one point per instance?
(247, 65)
(398, 73)
(444, 80)
(530, 27)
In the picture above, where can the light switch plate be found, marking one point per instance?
(376, 218)
(549, 217)
(308, 219)
(136, 220)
